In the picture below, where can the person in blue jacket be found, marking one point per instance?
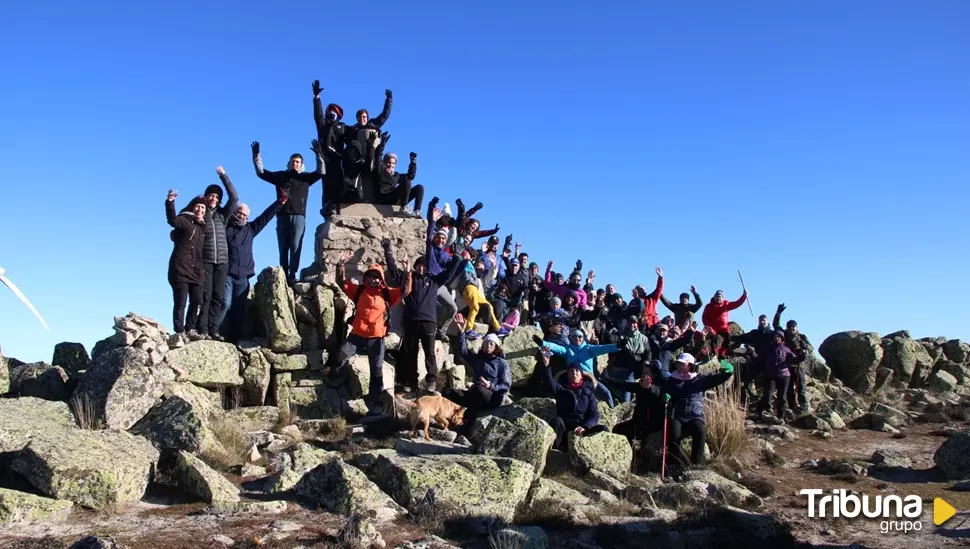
(492, 378)
(584, 354)
(686, 418)
(576, 405)
(440, 260)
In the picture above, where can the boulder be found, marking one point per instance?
(549, 489)
(346, 490)
(323, 299)
(607, 452)
(959, 372)
(472, 485)
(726, 491)
(95, 542)
(23, 508)
(837, 406)
(510, 431)
(40, 380)
(200, 480)
(887, 457)
(254, 418)
(957, 351)
(296, 462)
(203, 400)
(207, 363)
(521, 537)
(121, 386)
(96, 469)
(942, 382)
(175, 424)
(544, 408)
(906, 358)
(255, 375)
(25, 418)
(853, 357)
(73, 357)
(521, 353)
(276, 305)
(4, 375)
(817, 369)
(951, 456)
(421, 447)
(888, 415)
(884, 380)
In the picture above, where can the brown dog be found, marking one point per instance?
(440, 409)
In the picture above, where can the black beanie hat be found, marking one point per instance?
(213, 189)
(193, 202)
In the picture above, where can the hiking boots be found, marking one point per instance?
(431, 385)
(217, 337)
(441, 336)
(503, 332)
(194, 335)
(472, 334)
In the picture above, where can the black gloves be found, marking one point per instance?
(387, 94)
(385, 137)
(478, 206)
(579, 266)
(434, 202)
(508, 243)
(621, 344)
(315, 147)
(537, 340)
(386, 243)
(255, 146)
(781, 308)
(414, 156)
(496, 227)
(316, 88)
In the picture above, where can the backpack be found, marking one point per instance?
(385, 293)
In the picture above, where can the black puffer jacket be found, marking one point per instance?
(575, 406)
(295, 185)
(216, 248)
(185, 265)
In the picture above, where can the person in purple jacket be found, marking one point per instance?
(777, 377)
(558, 288)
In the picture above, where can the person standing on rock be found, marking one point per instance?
(294, 184)
(326, 121)
(777, 377)
(440, 260)
(715, 317)
(683, 310)
(373, 302)
(215, 255)
(686, 389)
(240, 233)
(420, 317)
(761, 341)
(577, 409)
(799, 344)
(186, 273)
(396, 189)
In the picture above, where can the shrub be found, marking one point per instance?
(231, 449)
(725, 419)
(85, 412)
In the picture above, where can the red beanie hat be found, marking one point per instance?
(334, 109)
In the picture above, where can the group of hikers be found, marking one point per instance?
(456, 284)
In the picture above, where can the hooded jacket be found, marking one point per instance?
(291, 183)
(216, 249)
(662, 351)
(369, 315)
(648, 407)
(583, 354)
(687, 396)
(421, 302)
(518, 284)
(493, 368)
(762, 340)
(575, 406)
(681, 311)
(779, 358)
(562, 290)
(650, 316)
(240, 241)
(716, 316)
(634, 355)
(185, 264)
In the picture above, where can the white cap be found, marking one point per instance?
(446, 210)
(494, 339)
(686, 358)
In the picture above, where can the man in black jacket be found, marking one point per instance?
(393, 188)
(327, 121)
(420, 317)
(761, 341)
(215, 255)
(240, 233)
(294, 184)
(684, 310)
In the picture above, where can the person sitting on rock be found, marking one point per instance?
(420, 318)
(799, 344)
(554, 283)
(684, 310)
(396, 189)
(468, 226)
(648, 410)
(629, 363)
(240, 233)
(467, 282)
(686, 389)
(186, 273)
(777, 377)
(715, 316)
(517, 281)
(373, 302)
(326, 122)
(215, 255)
(584, 354)
(440, 260)
(663, 348)
(491, 378)
(365, 128)
(293, 184)
(577, 410)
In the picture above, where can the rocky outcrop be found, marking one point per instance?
(907, 358)
(210, 364)
(951, 456)
(521, 353)
(23, 508)
(122, 386)
(175, 424)
(607, 452)
(724, 490)
(255, 374)
(512, 432)
(139, 332)
(96, 469)
(254, 418)
(853, 357)
(942, 382)
(203, 400)
(342, 488)
(957, 351)
(40, 380)
(472, 485)
(275, 302)
(293, 464)
(198, 479)
(4, 375)
(73, 357)
(25, 418)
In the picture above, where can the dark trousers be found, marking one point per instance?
(779, 387)
(475, 399)
(333, 183)
(797, 396)
(403, 194)
(748, 375)
(374, 348)
(564, 427)
(213, 297)
(289, 233)
(183, 292)
(354, 163)
(632, 430)
(678, 430)
(415, 334)
(235, 317)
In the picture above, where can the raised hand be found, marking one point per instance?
(386, 242)
(549, 266)
(436, 214)
(172, 194)
(220, 170)
(387, 94)
(407, 261)
(693, 289)
(660, 271)
(496, 227)
(781, 308)
(345, 257)
(414, 156)
(459, 202)
(478, 206)
(316, 88)
(537, 340)
(316, 147)
(518, 246)
(255, 146)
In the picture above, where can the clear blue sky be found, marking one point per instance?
(821, 147)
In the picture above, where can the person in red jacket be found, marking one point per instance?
(650, 316)
(715, 317)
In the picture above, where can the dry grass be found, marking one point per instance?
(334, 430)
(547, 513)
(436, 517)
(725, 417)
(500, 540)
(286, 418)
(232, 445)
(760, 486)
(85, 412)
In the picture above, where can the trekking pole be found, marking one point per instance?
(748, 301)
(663, 458)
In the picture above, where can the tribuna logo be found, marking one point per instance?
(842, 504)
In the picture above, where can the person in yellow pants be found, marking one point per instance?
(475, 299)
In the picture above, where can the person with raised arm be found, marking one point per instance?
(715, 317)
(186, 273)
(683, 310)
(215, 255)
(330, 132)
